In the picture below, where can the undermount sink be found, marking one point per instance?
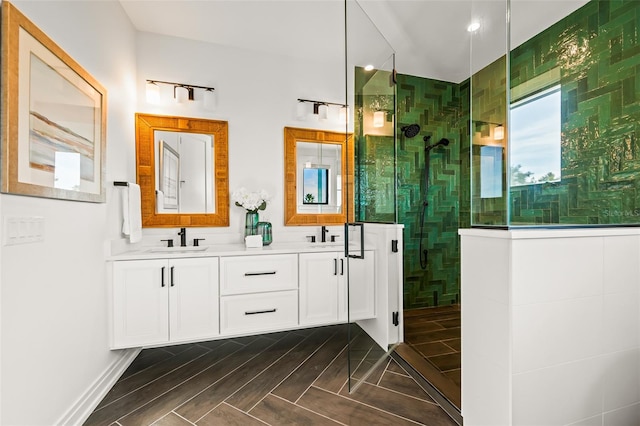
(177, 249)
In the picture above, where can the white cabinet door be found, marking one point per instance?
(361, 288)
(140, 303)
(193, 298)
(318, 288)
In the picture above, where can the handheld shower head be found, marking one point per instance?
(443, 142)
(411, 130)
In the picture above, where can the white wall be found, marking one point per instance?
(53, 293)
(53, 305)
(257, 94)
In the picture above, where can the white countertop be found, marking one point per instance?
(533, 233)
(230, 250)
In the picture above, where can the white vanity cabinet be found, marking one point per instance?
(164, 300)
(323, 288)
(258, 293)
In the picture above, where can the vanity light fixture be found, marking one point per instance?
(368, 67)
(473, 27)
(320, 108)
(181, 92)
(498, 132)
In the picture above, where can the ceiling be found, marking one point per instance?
(429, 36)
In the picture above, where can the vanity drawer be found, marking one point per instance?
(253, 274)
(258, 312)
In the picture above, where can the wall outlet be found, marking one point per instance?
(23, 229)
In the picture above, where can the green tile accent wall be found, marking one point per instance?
(597, 51)
(436, 106)
(442, 110)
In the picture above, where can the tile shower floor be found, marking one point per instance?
(290, 378)
(434, 335)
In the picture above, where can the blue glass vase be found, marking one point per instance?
(264, 229)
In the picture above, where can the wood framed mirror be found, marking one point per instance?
(318, 181)
(183, 171)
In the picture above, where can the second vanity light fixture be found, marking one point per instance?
(181, 92)
(321, 109)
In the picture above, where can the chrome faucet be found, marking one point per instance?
(183, 237)
(323, 234)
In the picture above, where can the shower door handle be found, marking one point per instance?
(346, 240)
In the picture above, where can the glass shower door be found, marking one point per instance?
(370, 90)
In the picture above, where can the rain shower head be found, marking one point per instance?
(411, 130)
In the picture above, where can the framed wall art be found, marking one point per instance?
(53, 117)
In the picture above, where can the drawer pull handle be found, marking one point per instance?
(268, 311)
(253, 274)
(162, 277)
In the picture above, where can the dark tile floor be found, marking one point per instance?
(434, 334)
(290, 378)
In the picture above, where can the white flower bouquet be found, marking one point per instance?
(251, 201)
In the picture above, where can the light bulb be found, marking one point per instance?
(153, 93)
(323, 112)
(209, 99)
(301, 111)
(378, 119)
(344, 114)
(181, 94)
(473, 27)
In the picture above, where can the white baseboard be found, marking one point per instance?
(80, 411)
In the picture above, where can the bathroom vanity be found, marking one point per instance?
(168, 297)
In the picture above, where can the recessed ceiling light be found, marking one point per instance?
(474, 26)
(368, 68)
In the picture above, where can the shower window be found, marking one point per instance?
(535, 138)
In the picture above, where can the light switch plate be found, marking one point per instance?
(23, 229)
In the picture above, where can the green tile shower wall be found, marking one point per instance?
(442, 110)
(597, 51)
(436, 107)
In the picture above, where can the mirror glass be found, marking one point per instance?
(184, 176)
(182, 170)
(315, 176)
(319, 177)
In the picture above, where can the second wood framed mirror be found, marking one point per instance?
(318, 177)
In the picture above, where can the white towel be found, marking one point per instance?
(131, 213)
